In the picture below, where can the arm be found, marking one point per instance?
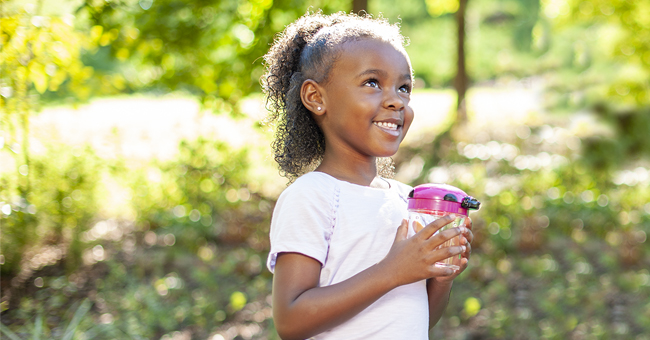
(438, 293)
(439, 288)
(302, 309)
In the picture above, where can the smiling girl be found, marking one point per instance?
(338, 88)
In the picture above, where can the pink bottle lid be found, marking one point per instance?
(441, 197)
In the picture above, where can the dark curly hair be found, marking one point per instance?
(307, 49)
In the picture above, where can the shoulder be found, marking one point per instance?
(314, 179)
(304, 217)
(401, 188)
(312, 186)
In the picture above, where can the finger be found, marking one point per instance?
(441, 271)
(440, 238)
(438, 255)
(434, 226)
(464, 263)
(468, 251)
(402, 231)
(468, 223)
(470, 236)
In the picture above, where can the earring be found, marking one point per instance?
(318, 108)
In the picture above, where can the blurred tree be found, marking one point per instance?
(526, 20)
(211, 48)
(629, 23)
(550, 225)
(38, 53)
(359, 5)
(461, 80)
(524, 17)
(610, 70)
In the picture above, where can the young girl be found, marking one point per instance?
(339, 88)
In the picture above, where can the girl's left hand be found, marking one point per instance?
(466, 238)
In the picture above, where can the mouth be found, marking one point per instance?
(389, 127)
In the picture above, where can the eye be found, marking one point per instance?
(406, 88)
(371, 83)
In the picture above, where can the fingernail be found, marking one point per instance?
(464, 248)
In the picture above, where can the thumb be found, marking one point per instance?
(402, 231)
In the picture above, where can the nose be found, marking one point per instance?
(393, 100)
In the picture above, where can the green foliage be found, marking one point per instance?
(558, 248)
(559, 245)
(39, 52)
(191, 260)
(51, 202)
(626, 22)
(209, 48)
(561, 240)
(504, 38)
(603, 49)
(111, 47)
(630, 144)
(190, 181)
(37, 330)
(207, 187)
(438, 8)
(6, 331)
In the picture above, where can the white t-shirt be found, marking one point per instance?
(348, 228)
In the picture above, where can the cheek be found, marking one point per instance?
(408, 118)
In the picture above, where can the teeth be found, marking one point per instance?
(386, 125)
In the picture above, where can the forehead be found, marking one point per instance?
(372, 53)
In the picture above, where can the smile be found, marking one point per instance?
(392, 129)
(387, 125)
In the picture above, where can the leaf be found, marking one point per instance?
(8, 332)
(472, 306)
(439, 7)
(237, 300)
(38, 327)
(96, 33)
(84, 307)
(38, 76)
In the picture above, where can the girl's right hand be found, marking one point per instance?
(413, 259)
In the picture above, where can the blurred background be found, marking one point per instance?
(137, 183)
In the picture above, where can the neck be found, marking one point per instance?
(357, 170)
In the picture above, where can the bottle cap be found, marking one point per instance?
(441, 197)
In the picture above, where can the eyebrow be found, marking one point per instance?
(382, 73)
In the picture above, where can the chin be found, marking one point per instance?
(387, 153)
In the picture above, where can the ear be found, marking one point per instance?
(312, 97)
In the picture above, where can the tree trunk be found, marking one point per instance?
(359, 5)
(461, 81)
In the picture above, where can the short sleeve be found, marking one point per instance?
(303, 219)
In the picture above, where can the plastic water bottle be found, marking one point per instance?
(429, 202)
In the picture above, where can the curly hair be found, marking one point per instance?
(308, 49)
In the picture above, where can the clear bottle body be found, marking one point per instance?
(419, 219)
